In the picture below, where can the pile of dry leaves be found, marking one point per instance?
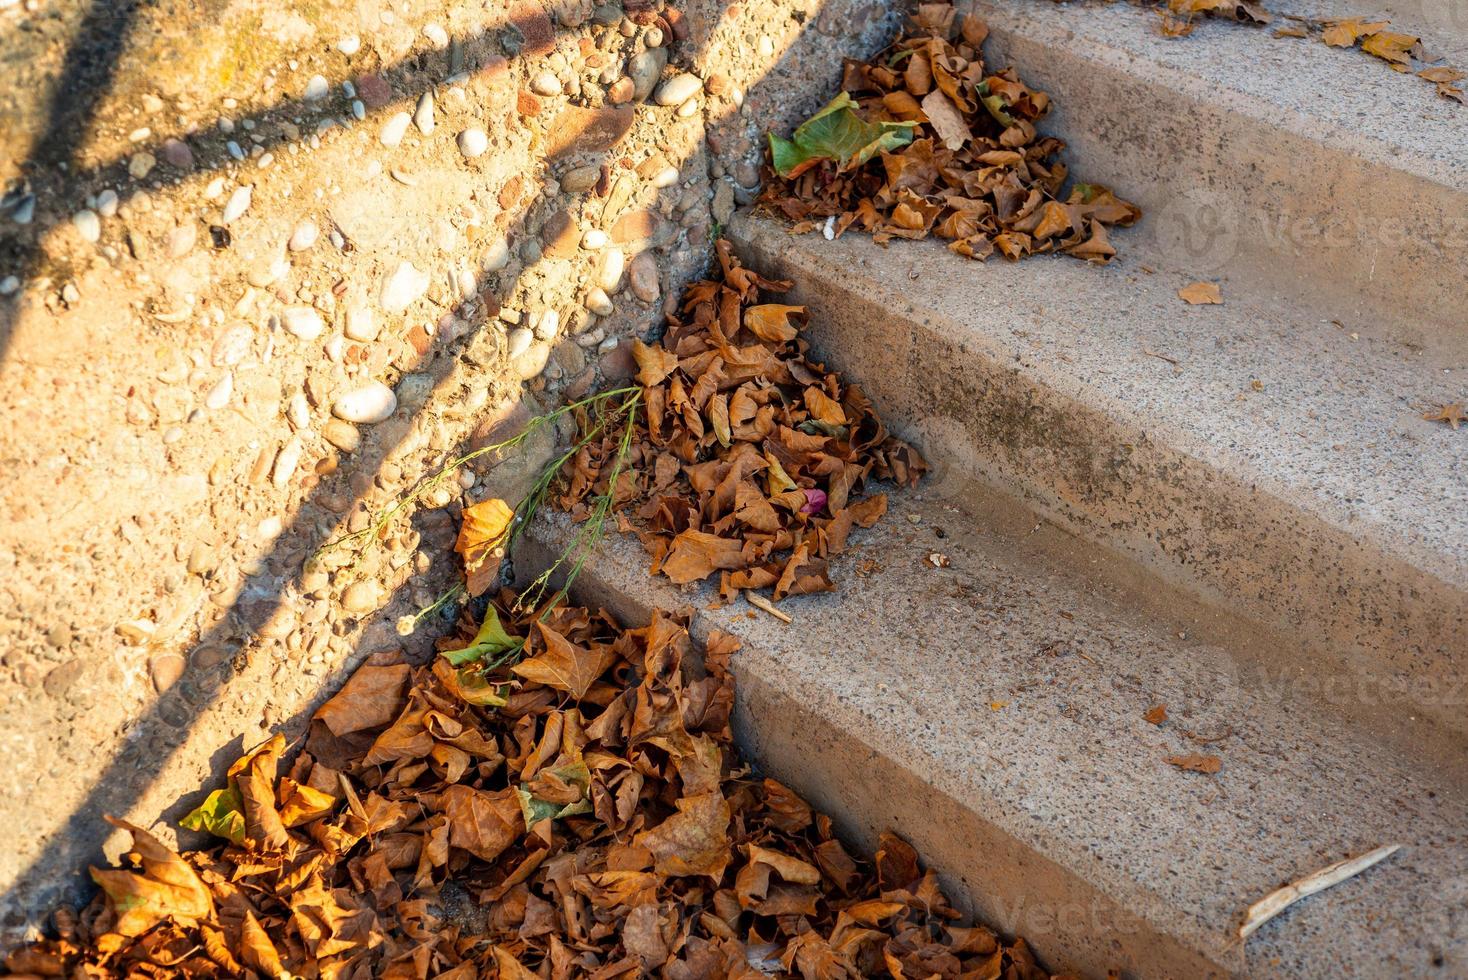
(748, 459)
(925, 141)
(579, 812)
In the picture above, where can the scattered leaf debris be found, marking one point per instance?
(925, 141)
(750, 460)
(1156, 715)
(579, 813)
(1195, 762)
(1451, 413)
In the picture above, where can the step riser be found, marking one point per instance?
(1286, 205)
(985, 871)
(1375, 635)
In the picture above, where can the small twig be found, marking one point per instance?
(1277, 901)
(1228, 730)
(1163, 357)
(760, 602)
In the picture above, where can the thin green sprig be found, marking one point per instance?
(384, 519)
(591, 530)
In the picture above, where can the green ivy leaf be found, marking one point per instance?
(536, 810)
(836, 133)
(489, 642)
(221, 814)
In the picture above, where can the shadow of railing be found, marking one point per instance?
(166, 723)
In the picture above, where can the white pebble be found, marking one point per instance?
(545, 83)
(497, 256)
(316, 88)
(361, 324)
(107, 203)
(302, 322)
(349, 45)
(298, 411)
(520, 340)
(436, 34)
(402, 287)
(666, 177)
(678, 89)
(598, 302)
(9, 285)
(473, 143)
(88, 225)
(423, 114)
(609, 274)
(687, 109)
(366, 404)
(238, 204)
(548, 325)
(395, 129)
(594, 239)
(218, 396)
(285, 463)
(304, 235)
(214, 188)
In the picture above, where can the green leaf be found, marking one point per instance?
(221, 814)
(999, 109)
(536, 809)
(490, 641)
(836, 133)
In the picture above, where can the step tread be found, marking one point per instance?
(1010, 685)
(1336, 427)
(1341, 97)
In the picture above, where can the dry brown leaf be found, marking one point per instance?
(1156, 715)
(481, 542)
(564, 665)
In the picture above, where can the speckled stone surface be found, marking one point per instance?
(991, 711)
(1306, 170)
(1279, 466)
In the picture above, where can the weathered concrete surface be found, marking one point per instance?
(1298, 169)
(1317, 500)
(991, 712)
(168, 373)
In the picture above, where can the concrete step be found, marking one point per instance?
(992, 713)
(1268, 461)
(1312, 172)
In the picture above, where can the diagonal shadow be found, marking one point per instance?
(88, 69)
(165, 726)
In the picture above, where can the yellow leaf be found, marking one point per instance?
(481, 539)
(1390, 46)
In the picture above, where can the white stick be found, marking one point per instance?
(1277, 901)
(760, 602)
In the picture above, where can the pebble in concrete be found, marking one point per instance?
(361, 325)
(302, 322)
(678, 89)
(87, 224)
(367, 404)
(423, 114)
(342, 434)
(303, 236)
(238, 203)
(473, 143)
(404, 285)
(395, 129)
(643, 277)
